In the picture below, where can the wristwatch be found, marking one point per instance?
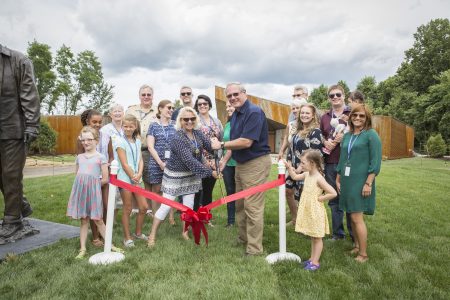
(222, 145)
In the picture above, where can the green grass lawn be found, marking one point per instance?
(409, 249)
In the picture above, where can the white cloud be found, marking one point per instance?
(268, 45)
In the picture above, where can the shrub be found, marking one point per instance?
(46, 141)
(436, 146)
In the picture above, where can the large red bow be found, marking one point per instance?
(197, 219)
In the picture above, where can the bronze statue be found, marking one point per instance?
(19, 125)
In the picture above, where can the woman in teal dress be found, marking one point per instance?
(359, 163)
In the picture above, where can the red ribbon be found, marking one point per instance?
(198, 219)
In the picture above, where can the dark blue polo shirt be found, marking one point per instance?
(250, 122)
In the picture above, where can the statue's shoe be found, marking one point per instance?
(9, 229)
(26, 208)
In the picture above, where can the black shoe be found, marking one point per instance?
(9, 229)
(26, 208)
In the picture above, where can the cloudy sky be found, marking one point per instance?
(270, 46)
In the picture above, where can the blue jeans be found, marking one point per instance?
(230, 186)
(337, 214)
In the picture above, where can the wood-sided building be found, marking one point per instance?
(397, 138)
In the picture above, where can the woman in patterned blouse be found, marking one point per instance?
(210, 127)
(306, 135)
(184, 169)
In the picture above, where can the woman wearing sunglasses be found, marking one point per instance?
(210, 127)
(184, 169)
(359, 163)
(159, 135)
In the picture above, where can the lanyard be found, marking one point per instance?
(351, 143)
(118, 132)
(100, 145)
(194, 142)
(166, 134)
(132, 154)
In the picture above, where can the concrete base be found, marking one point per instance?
(106, 258)
(278, 256)
(49, 233)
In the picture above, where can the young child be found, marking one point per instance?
(355, 98)
(312, 217)
(131, 167)
(93, 119)
(85, 200)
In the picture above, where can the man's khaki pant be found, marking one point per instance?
(250, 211)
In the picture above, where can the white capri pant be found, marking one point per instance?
(163, 210)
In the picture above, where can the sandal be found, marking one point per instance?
(117, 249)
(97, 243)
(140, 236)
(361, 258)
(128, 243)
(81, 254)
(355, 250)
(311, 267)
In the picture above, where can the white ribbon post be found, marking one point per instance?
(282, 255)
(107, 257)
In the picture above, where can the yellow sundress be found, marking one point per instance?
(312, 219)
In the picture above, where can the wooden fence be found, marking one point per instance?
(68, 129)
(397, 138)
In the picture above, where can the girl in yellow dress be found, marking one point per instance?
(312, 217)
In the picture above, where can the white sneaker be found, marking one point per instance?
(134, 211)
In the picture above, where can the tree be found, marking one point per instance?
(436, 146)
(438, 106)
(368, 86)
(344, 86)
(319, 97)
(101, 97)
(80, 78)
(45, 77)
(70, 83)
(429, 56)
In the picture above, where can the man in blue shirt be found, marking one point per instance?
(249, 144)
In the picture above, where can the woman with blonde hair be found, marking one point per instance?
(159, 135)
(305, 135)
(184, 169)
(291, 129)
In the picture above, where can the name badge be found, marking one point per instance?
(167, 154)
(347, 171)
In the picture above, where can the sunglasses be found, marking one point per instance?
(297, 95)
(331, 96)
(203, 104)
(189, 119)
(229, 96)
(361, 116)
(170, 107)
(87, 140)
(186, 94)
(148, 95)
